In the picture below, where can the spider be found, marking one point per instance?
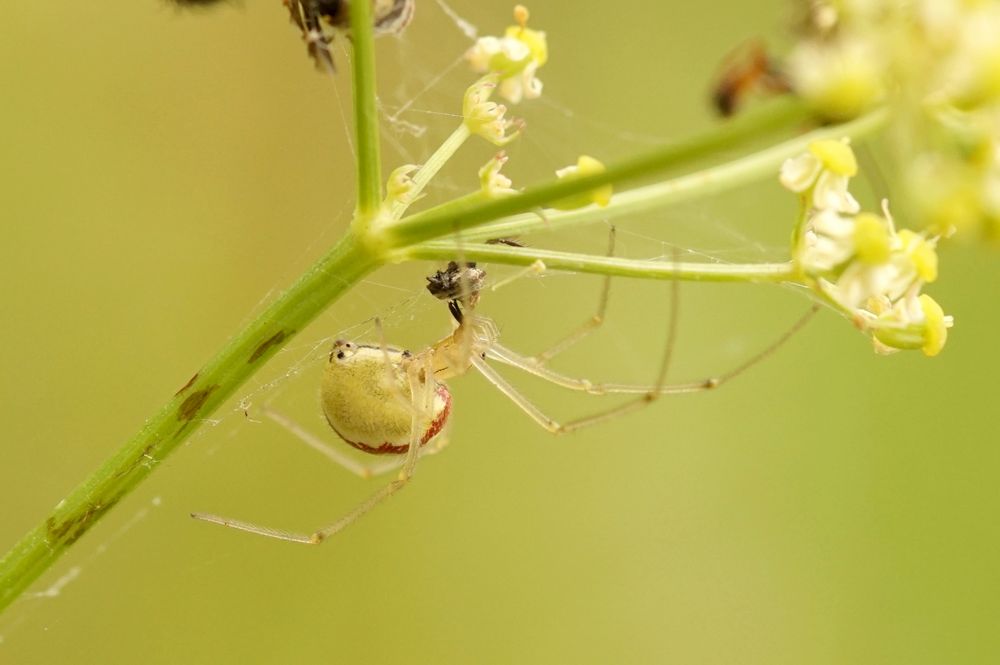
(388, 401)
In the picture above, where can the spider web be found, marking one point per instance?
(420, 97)
(421, 88)
(421, 91)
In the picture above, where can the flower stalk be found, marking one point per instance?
(366, 118)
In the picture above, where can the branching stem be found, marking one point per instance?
(430, 168)
(367, 246)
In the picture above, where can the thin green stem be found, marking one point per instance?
(741, 171)
(800, 221)
(366, 127)
(474, 210)
(443, 250)
(430, 168)
(361, 251)
(326, 281)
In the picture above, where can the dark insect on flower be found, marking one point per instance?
(310, 16)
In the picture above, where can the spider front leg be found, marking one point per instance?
(648, 396)
(526, 364)
(647, 393)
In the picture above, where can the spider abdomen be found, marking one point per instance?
(371, 405)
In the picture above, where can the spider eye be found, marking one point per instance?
(340, 349)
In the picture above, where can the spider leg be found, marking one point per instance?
(526, 364)
(531, 366)
(646, 393)
(423, 390)
(591, 324)
(584, 329)
(342, 458)
(536, 268)
(390, 372)
(647, 397)
(547, 422)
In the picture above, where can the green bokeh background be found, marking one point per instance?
(164, 172)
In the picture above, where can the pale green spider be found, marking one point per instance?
(387, 401)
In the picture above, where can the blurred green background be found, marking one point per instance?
(165, 172)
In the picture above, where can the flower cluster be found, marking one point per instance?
(514, 58)
(936, 63)
(485, 118)
(858, 261)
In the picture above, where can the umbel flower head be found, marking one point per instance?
(936, 65)
(858, 262)
(514, 58)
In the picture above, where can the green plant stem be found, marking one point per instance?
(443, 250)
(707, 182)
(326, 281)
(343, 266)
(361, 251)
(365, 114)
(473, 210)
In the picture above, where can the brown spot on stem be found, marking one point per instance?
(190, 407)
(68, 531)
(188, 384)
(274, 340)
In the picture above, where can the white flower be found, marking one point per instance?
(934, 65)
(482, 52)
(522, 86)
(513, 58)
(825, 170)
(828, 242)
(861, 282)
(873, 274)
(840, 78)
(915, 321)
(971, 76)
